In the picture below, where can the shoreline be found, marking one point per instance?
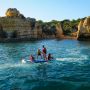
(14, 40)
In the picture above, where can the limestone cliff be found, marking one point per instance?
(59, 31)
(86, 25)
(15, 25)
(84, 29)
(14, 22)
(38, 30)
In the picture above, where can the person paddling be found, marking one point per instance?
(32, 58)
(49, 57)
(44, 52)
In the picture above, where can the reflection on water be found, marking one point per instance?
(71, 71)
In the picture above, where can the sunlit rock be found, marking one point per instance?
(12, 12)
(84, 29)
(16, 24)
(59, 31)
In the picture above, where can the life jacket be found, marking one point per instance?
(39, 52)
(44, 50)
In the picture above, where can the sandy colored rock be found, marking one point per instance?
(12, 12)
(84, 28)
(14, 23)
(59, 31)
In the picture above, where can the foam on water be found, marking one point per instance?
(80, 59)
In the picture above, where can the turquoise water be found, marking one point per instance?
(71, 70)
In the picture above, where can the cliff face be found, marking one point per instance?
(38, 30)
(21, 26)
(15, 25)
(12, 12)
(52, 31)
(86, 25)
(14, 22)
(84, 29)
(59, 31)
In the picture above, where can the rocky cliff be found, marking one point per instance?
(59, 31)
(14, 22)
(84, 29)
(15, 25)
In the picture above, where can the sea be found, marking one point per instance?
(69, 69)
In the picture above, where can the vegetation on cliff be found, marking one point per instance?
(68, 26)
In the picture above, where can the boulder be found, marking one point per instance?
(12, 12)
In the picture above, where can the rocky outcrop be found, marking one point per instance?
(59, 31)
(38, 30)
(84, 29)
(15, 24)
(23, 27)
(86, 25)
(80, 28)
(12, 12)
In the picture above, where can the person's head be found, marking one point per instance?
(49, 54)
(43, 46)
(38, 49)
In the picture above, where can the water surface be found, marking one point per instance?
(70, 72)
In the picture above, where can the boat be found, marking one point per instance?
(39, 61)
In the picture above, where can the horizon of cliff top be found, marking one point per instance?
(10, 12)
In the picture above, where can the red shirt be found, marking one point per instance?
(44, 50)
(31, 58)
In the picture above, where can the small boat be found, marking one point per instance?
(39, 61)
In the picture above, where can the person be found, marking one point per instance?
(49, 57)
(39, 53)
(44, 52)
(32, 58)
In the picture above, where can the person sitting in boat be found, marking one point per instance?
(39, 53)
(44, 52)
(32, 58)
(49, 57)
